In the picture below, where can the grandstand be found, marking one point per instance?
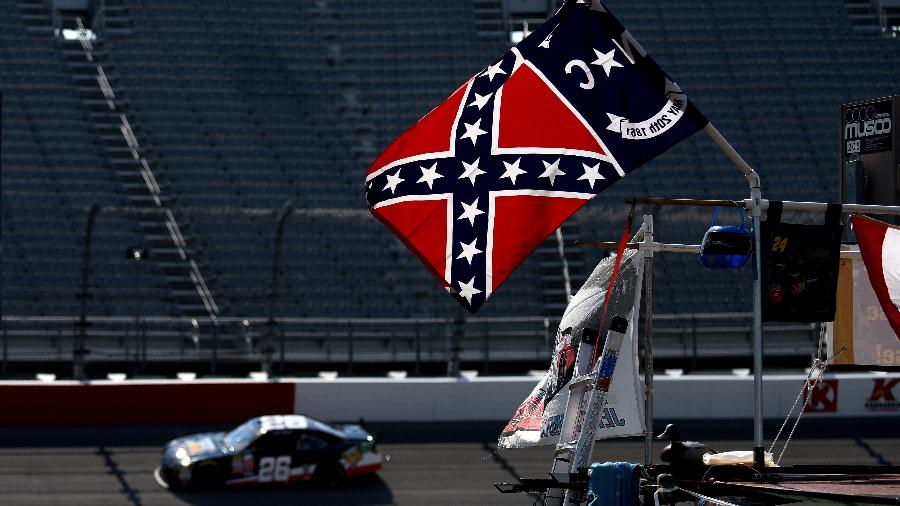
(251, 114)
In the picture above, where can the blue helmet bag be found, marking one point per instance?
(726, 247)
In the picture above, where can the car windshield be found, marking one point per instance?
(241, 437)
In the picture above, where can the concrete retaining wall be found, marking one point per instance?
(414, 400)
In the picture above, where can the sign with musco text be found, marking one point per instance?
(867, 126)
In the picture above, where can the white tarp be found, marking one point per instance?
(539, 419)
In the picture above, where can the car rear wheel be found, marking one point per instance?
(329, 474)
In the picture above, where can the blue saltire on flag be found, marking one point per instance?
(482, 179)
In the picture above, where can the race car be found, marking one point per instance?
(277, 449)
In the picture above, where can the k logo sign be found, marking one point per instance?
(882, 397)
(824, 397)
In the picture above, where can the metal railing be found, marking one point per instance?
(347, 342)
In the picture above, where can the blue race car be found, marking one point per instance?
(276, 449)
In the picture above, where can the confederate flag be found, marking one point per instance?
(879, 244)
(483, 178)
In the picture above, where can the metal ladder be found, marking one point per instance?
(587, 395)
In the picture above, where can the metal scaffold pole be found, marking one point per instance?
(755, 209)
(647, 247)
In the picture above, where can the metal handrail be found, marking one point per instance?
(141, 340)
(361, 320)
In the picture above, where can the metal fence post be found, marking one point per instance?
(456, 337)
(143, 331)
(136, 255)
(78, 349)
(418, 368)
(268, 346)
(349, 347)
(5, 351)
(693, 343)
(282, 339)
(487, 349)
(215, 347)
(547, 333)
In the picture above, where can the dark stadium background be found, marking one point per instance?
(251, 114)
(258, 120)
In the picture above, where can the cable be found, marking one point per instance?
(705, 498)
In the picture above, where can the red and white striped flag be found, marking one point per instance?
(879, 244)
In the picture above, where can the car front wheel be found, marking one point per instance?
(207, 477)
(329, 474)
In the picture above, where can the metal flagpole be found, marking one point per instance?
(561, 248)
(755, 208)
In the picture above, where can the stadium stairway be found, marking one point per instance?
(552, 267)
(116, 17)
(489, 18)
(863, 16)
(174, 254)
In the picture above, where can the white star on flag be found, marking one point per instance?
(551, 170)
(480, 100)
(393, 181)
(473, 131)
(512, 170)
(467, 290)
(493, 70)
(469, 251)
(470, 211)
(591, 174)
(606, 61)
(546, 42)
(430, 174)
(471, 171)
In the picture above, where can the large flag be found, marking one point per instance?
(483, 178)
(539, 419)
(879, 244)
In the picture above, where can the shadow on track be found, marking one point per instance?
(361, 491)
(871, 451)
(505, 465)
(110, 463)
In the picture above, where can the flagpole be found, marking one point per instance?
(561, 249)
(755, 208)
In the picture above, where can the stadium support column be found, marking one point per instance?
(78, 350)
(456, 337)
(268, 345)
(136, 256)
(754, 205)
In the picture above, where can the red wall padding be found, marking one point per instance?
(143, 403)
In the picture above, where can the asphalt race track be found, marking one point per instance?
(428, 465)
